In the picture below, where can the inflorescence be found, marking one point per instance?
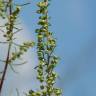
(45, 50)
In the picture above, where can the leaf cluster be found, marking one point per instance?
(10, 12)
(46, 44)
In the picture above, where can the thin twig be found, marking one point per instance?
(8, 54)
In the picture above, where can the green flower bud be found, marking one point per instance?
(42, 87)
(38, 93)
(42, 4)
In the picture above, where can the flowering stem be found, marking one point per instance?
(8, 53)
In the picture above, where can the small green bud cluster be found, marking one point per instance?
(45, 51)
(22, 49)
(43, 7)
(32, 93)
(10, 29)
(10, 11)
(2, 9)
(11, 24)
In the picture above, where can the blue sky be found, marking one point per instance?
(73, 24)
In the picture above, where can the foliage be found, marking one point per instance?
(46, 44)
(10, 12)
(2, 9)
(47, 60)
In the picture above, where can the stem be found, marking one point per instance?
(8, 53)
(5, 68)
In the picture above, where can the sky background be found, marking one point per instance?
(74, 26)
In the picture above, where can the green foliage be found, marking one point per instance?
(22, 49)
(9, 33)
(2, 9)
(46, 44)
(10, 12)
(10, 25)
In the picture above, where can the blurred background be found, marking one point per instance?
(74, 26)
